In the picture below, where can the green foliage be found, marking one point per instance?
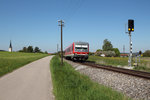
(24, 49)
(71, 85)
(30, 49)
(142, 68)
(117, 52)
(109, 53)
(37, 50)
(91, 53)
(106, 53)
(143, 65)
(107, 46)
(46, 52)
(146, 53)
(10, 61)
(114, 61)
(98, 50)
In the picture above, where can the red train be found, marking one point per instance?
(77, 51)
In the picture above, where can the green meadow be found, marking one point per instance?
(10, 61)
(69, 84)
(143, 65)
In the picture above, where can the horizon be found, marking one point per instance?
(35, 23)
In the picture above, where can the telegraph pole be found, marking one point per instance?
(61, 24)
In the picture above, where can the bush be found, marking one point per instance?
(146, 53)
(117, 52)
(110, 54)
(106, 53)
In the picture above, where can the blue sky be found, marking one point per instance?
(35, 22)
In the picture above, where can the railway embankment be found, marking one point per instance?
(134, 87)
(69, 84)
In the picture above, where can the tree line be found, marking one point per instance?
(30, 49)
(146, 53)
(108, 50)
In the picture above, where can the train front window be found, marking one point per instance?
(81, 48)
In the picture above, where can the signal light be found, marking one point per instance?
(131, 25)
(129, 29)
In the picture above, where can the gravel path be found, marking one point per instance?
(134, 87)
(30, 82)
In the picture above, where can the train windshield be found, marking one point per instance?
(81, 48)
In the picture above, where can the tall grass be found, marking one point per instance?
(13, 60)
(143, 65)
(71, 85)
(109, 60)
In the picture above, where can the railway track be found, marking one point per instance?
(140, 74)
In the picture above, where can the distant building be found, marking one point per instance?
(124, 55)
(10, 47)
(102, 55)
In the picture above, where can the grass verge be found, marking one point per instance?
(10, 61)
(114, 61)
(71, 85)
(143, 65)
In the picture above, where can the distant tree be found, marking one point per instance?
(30, 49)
(146, 53)
(91, 53)
(107, 46)
(37, 50)
(98, 50)
(24, 49)
(46, 52)
(109, 53)
(20, 51)
(117, 52)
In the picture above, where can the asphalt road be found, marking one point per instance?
(31, 82)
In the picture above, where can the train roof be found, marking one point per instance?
(81, 42)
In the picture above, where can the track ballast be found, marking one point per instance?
(118, 69)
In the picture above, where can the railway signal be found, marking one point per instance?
(61, 24)
(130, 29)
(140, 52)
(131, 25)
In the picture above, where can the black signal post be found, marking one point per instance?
(130, 29)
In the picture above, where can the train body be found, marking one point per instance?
(77, 51)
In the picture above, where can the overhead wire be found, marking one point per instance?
(70, 9)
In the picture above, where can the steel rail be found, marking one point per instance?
(140, 74)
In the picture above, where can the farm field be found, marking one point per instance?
(10, 61)
(143, 65)
(69, 84)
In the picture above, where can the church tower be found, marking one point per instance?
(10, 47)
